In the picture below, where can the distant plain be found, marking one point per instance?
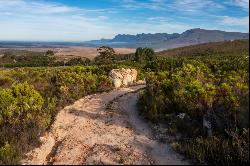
(71, 51)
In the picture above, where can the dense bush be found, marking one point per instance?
(143, 55)
(78, 61)
(29, 98)
(214, 89)
(28, 61)
(23, 116)
(228, 150)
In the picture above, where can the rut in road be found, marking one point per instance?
(102, 129)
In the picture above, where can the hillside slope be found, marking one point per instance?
(217, 48)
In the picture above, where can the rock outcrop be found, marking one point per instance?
(123, 77)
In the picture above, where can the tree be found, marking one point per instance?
(144, 55)
(49, 53)
(106, 54)
(8, 55)
(78, 61)
(138, 54)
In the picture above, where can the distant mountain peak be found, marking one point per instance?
(195, 29)
(143, 37)
(166, 41)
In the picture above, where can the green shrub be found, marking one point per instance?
(8, 154)
(211, 88)
(20, 104)
(29, 98)
(230, 150)
(22, 118)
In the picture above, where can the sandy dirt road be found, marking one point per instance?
(102, 129)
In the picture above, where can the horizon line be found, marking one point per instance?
(80, 41)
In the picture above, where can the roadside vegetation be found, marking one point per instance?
(183, 91)
(204, 102)
(30, 98)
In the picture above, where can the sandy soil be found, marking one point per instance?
(102, 129)
(76, 51)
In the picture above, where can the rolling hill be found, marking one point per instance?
(216, 48)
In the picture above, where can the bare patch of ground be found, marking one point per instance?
(102, 129)
(66, 53)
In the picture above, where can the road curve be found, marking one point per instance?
(105, 129)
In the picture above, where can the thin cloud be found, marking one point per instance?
(53, 21)
(48, 20)
(242, 3)
(196, 5)
(35, 7)
(232, 21)
(180, 5)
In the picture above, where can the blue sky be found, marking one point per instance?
(79, 20)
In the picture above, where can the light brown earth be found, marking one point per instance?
(75, 51)
(102, 129)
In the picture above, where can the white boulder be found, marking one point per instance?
(117, 82)
(123, 77)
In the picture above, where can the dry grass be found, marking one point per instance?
(62, 53)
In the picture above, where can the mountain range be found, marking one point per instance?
(161, 41)
(158, 41)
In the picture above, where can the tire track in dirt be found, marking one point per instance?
(102, 129)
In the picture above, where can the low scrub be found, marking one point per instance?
(206, 102)
(30, 98)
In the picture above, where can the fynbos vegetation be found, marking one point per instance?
(203, 99)
(206, 101)
(29, 98)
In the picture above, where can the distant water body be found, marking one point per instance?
(20, 44)
(34, 44)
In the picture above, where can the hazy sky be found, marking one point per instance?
(79, 20)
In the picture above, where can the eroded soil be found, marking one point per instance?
(102, 129)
